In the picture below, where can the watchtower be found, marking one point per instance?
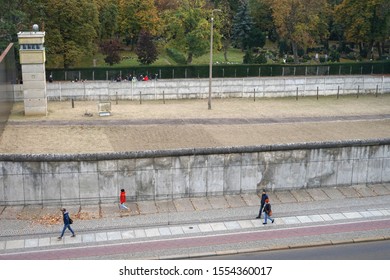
(32, 60)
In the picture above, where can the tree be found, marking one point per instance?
(261, 13)
(11, 21)
(303, 23)
(256, 39)
(242, 26)
(163, 5)
(188, 30)
(72, 29)
(225, 25)
(137, 15)
(108, 18)
(364, 21)
(111, 48)
(146, 49)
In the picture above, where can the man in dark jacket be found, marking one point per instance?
(66, 218)
(264, 196)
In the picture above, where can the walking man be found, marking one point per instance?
(264, 196)
(67, 222)
(267, 212)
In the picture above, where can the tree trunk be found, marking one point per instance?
(226, 44)
(295, 52)
(189, 58)
(370, 53)
(379, 47)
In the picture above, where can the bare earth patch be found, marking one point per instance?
(177, 124)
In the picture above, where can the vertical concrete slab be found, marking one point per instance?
(386, 165)
(107, 176)
(51, 183)
(145, 178)
(180, 176)
(215, 174)
(127, 178)
(313, 169)
(298, 174)
(251, 174)
(164, 184)
(32, 182)
(344, 172)
(2, 195)
(266, 172)
(344, 161)
(232, 174)
(13, 183)
(69, 177)
(360, 164)
(328, 172)
(88, 182)
(375, 163)
(198, 175)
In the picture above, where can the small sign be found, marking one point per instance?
(104, 109)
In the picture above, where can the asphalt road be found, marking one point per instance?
(376, 250)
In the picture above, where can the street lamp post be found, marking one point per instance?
(211, 55)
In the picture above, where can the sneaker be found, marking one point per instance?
(273, 220)
(264, 223)
(258, 217)
(59, 238)
(74, 235)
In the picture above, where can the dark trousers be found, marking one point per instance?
(261, 209)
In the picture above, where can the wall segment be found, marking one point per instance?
(97, 178)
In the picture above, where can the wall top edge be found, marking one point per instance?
(192, 151)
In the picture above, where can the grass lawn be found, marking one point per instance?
(129, 59)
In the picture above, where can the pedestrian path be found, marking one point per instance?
(177, 231)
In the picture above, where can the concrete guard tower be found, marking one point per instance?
(32, 59)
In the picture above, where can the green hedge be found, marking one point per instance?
(221, 71)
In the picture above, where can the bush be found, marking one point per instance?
(334, 56)
(290, 59)
(260, 59)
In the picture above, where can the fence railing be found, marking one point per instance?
(219, 71)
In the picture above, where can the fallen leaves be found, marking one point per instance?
(55, 219)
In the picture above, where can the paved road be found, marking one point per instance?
(375, 250)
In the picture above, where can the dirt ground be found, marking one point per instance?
(177, 124)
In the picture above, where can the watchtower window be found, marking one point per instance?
(31, 47)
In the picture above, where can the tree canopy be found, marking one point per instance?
(76, 28)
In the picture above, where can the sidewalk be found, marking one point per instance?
(206, 217)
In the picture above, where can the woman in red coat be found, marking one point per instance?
(122, 200)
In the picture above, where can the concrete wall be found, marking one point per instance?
(8, 77)
(94, 178)
(221, 88)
